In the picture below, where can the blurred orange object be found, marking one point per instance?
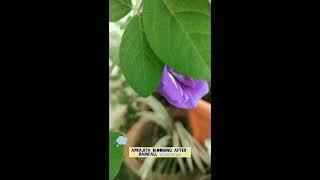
(200, 121)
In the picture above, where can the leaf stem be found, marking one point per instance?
(140, 5)
(137, 10)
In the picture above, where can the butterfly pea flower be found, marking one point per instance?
(181, 91)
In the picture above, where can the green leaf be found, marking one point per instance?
(179, 34)
(119, 9)
(140, 66)
(115, 154)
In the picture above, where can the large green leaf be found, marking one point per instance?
(178, 31)
(115, 154)
(118, 9)
(141, 68)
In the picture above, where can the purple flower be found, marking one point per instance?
(181, 91)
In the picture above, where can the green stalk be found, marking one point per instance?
(149, 161)
(185, 143)
(176, 143)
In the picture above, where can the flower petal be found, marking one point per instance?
(168, 86)
(181, 91)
